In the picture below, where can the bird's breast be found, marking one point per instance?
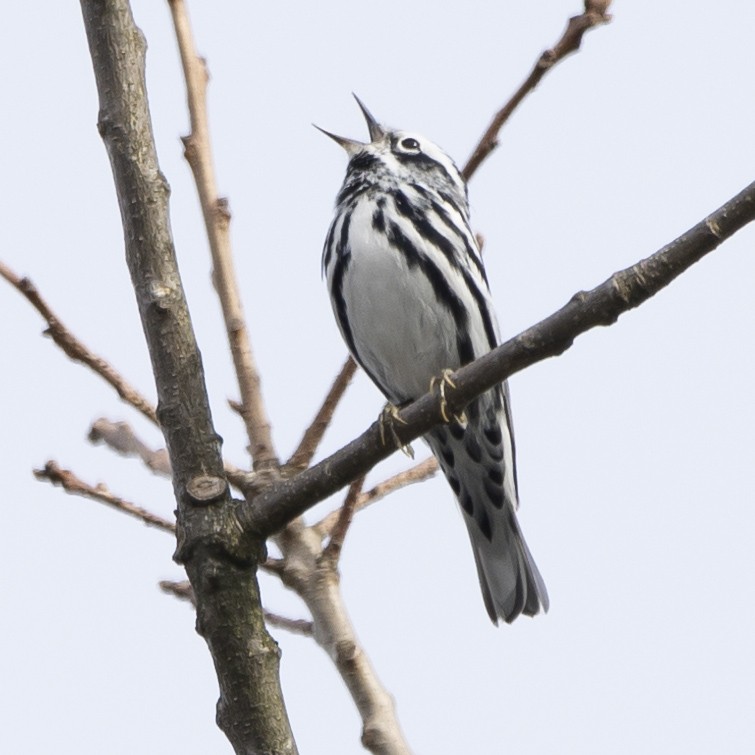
(402, 333)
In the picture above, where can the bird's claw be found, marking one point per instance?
(388, 418)
(443, 381)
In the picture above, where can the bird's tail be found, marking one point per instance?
(510, 581)
(478, 461)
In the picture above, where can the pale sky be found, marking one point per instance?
(635, 448)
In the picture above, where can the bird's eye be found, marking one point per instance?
(410, 144)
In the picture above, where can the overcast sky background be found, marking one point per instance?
(636, 447)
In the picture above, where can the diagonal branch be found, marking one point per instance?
(121, 438)
(595, 14)
(418, 473)
(54, 473)
(332, 550)
(601, 306)
(302, 457)
(217, 218)
(74, 348)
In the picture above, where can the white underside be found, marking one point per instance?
(402, 334)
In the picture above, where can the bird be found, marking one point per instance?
(411, 299)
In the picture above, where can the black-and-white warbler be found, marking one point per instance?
(411, 298)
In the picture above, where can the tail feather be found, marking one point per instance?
(510, 581)
(478, 462)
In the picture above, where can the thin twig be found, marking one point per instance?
(295, 626)
(302, 457)
(181, 590)
(332, 550)
(71, 483)
(217, 218)
(121, 438)
(595, 14)
(418, 473)
(74, 348)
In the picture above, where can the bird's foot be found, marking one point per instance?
(389, 417)
(442, 382)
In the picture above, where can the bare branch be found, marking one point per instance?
(601, 306)
(595, 14)
(418, 473)
(295, 626)
(74, 348)
(217, 218)
(181, 590)
(220, 561)
(314, 577)
(302, 457)
(332, 551)
(120, 437)
(55, 474)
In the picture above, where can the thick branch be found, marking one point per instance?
(550, 337)
(217, 219)
(595, 14)
(220, 564)
(74, 348)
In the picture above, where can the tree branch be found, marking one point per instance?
(595, 14)
(74, 348)
(418, 473)
(217, 216)
(72, 484)
(332, 550)
(121, 438)
(302, 457)
(313, 575)
(601, 306)
(220, 563)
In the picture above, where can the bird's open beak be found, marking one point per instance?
(377, 132)
(352, 146)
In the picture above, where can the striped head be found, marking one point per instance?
(393, 158)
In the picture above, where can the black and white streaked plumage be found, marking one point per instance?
(411, 298)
